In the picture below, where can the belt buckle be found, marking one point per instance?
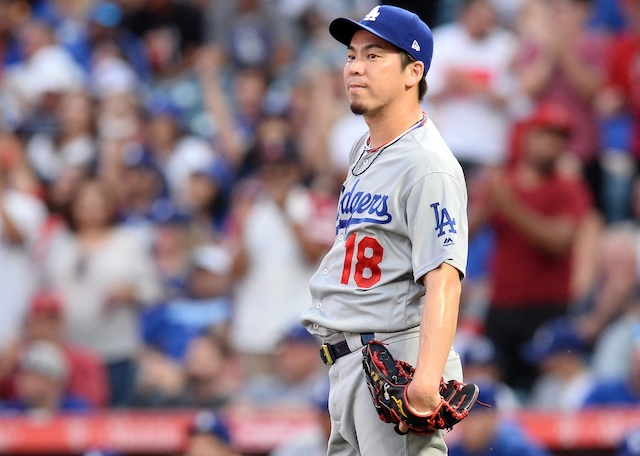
(326, 356)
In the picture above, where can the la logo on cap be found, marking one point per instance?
(373, 14)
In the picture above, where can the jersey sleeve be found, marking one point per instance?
(437, 223)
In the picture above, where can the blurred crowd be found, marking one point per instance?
(169, 171)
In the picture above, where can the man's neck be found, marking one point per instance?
(385, 128)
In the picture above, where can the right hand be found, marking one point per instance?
(421, 402)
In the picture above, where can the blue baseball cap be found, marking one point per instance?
(398, 26)
(554, 337)
(208, 422)
(480, 351)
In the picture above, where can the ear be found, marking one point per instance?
(413, 73)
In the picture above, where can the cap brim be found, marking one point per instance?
(343, 29)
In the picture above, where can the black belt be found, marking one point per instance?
(329, 353)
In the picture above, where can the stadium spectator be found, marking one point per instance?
(159, 381)
(561, 355)
(176, 152)
(142, 193)
(68, 22)
(170, 31)
(274, 253)
(535, 210)
(619, 105)
(45, 321)
(21, 217)
(253, 35)
(234, 99)
(315, 441)
(208, 434)
(110, 74)
(171, 249)
(57, 197)
(105, 25)
(207, 377)
(561, 60)
(613, 291)
(104, 275)
(212, 372)
(207, 196)
(40, 382)
(119, 123)
(621, 392)
(485, 432)
(470, 83)
(72, 144)
(35, 82)
(298, 374)
(615, 343)
(207, 305)
(481, 363)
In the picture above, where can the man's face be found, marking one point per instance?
(544, 147)
(478, 18)
(373, 74)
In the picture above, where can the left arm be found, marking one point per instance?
(437, 330)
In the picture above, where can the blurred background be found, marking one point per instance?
(169, 172)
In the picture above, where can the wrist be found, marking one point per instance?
(425, 386)
(422, 401)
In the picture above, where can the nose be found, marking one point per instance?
(355, 67)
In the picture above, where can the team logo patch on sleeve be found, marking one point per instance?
(445, 224)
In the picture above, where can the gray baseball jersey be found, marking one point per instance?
(402, 212)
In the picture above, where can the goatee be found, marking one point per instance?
(358, 109)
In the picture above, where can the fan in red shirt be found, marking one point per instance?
(87, 378)
(534, 208)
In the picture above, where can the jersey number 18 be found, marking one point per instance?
(368, 257)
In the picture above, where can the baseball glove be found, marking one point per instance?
(388, 379)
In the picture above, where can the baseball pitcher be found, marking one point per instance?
(386, 295)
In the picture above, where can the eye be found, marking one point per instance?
(350, 57)
(372, 56)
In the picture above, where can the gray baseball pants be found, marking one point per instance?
(356, 428)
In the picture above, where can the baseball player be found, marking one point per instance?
(394, 271)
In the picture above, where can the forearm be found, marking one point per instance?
(551, 234)
(214, 101)
(437, 326)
